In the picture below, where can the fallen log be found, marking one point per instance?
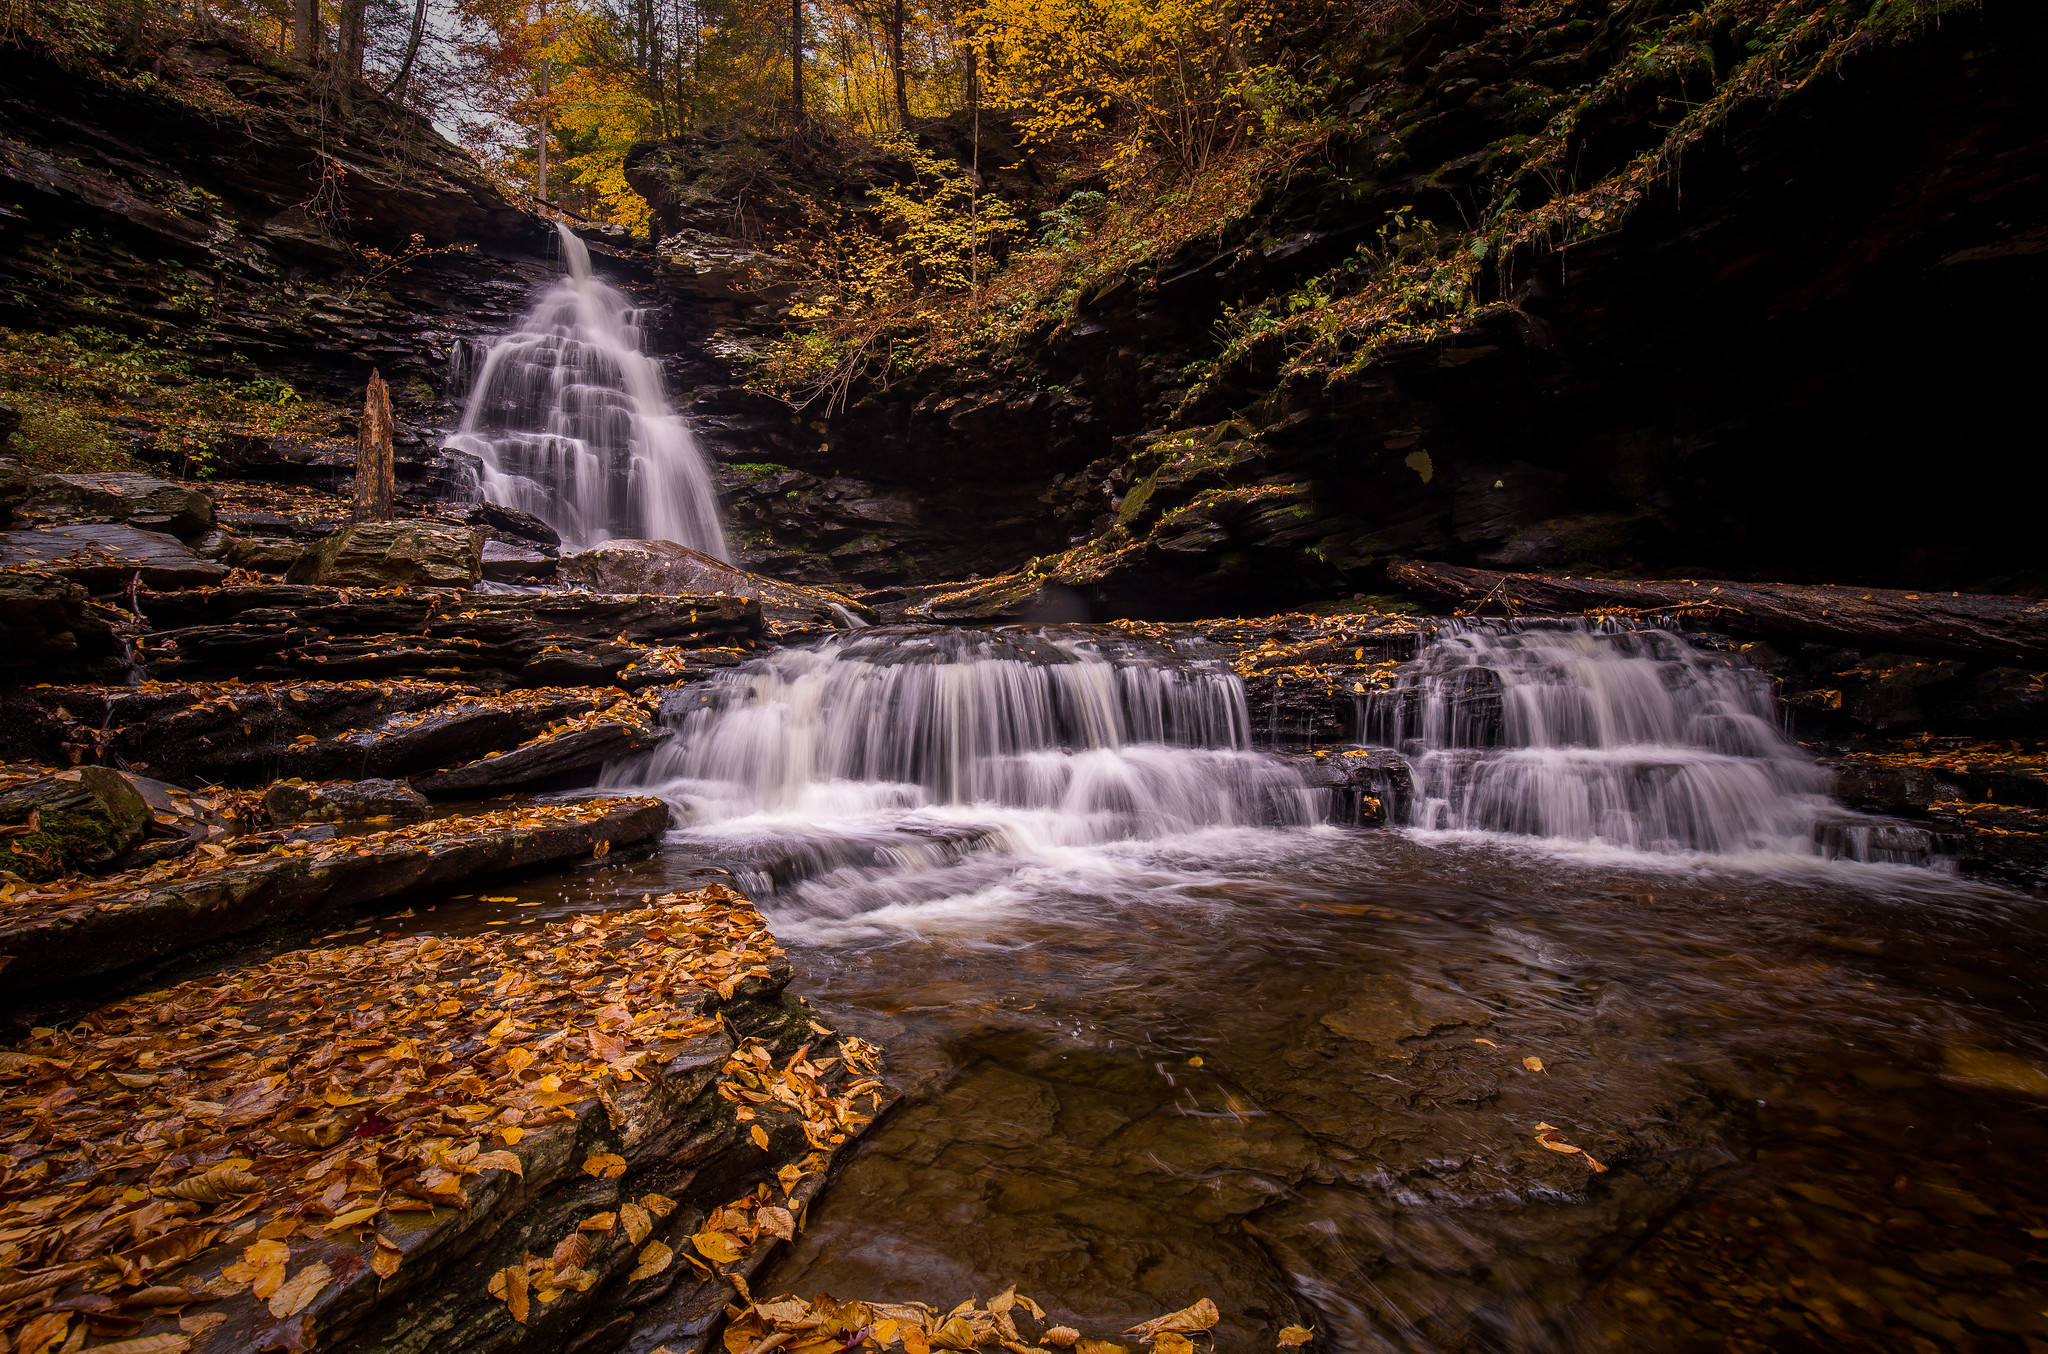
(1944, 625)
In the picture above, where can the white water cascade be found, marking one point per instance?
(1611, 737)
(909, 750)
(570, 421)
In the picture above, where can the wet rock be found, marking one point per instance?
(501, 522)
(510, 564)
(264, 554)
(139, 500)
(14, 481)
(103, 558)
(128, 920)
(1383, 1012)
(360, 801)
(663, 567)
(549, 759)
(46, 620)
(2001, 701)
(1368, 787)
(73, 820)
(541, 639)
(393, 554)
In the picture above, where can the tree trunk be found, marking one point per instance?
(796, 62)
(305, 30)
(540, 135)
(1930, 623)
(412, 50)
(348, 44)
(374, 469)
(896, 61)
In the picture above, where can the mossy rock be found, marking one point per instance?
(80, 820)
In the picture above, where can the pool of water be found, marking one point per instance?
(1287, 1069)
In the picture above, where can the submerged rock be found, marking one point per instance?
(393, 554)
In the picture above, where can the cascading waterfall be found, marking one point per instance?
(911, 749)
(570, 421)
(1611, 736)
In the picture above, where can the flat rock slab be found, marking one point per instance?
(103, 557)
(250, 734)
(120, 496)
(485, 1143)
(554, 638)
(579, 749)
(80, 928)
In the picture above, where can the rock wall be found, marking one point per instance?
(231, 208)
(1793, 357)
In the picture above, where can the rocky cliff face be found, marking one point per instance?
(1747, 311)
(229, 208)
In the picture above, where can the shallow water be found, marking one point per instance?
(1160, 1040)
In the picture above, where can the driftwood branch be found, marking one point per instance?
(1931, 623)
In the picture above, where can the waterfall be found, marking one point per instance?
(570, 422)
(1609, 736)
(908, 748)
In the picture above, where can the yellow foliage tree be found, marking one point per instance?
(1167, 75)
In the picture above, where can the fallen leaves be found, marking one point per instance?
(653, 1260)
(1534, 1064)
(307, 1099)
(296, 1294)
(825, 1325)
(1293, 1337)
(1201, 1316)
(1546, 1135)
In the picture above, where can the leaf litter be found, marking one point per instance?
(192, 1144)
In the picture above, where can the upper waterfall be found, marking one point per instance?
(571, 423)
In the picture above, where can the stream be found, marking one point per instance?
(1161, 1035)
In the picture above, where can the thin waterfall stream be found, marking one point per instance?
(1161, 1030)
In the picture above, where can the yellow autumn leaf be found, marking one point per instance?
(605, 1165)
(760, 1138)
(1534, 1064)
(653, 1260)
(296, 1294)
(717, 1247)
(1292, 1337)
(639, 1224)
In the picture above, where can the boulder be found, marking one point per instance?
(504, 563)
(104, 557)
(264, 554)
(357, 801)
(40, 618)
(521, 526)
(14, 481)
(666, 568)
(69, 821)
(394, 554)
(120, 496)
